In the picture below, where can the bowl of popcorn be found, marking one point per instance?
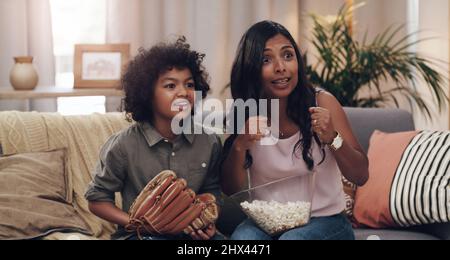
(278, 206)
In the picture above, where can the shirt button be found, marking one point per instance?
(173, 154)
(204, 165)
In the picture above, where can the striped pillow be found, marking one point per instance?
(409, 181)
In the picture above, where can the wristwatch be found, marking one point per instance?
(337, 142)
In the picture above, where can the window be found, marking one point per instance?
(76, 21)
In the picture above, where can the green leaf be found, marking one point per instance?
(347, 67)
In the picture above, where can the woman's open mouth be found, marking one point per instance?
(281, 83)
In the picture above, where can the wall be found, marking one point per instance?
(434, 22)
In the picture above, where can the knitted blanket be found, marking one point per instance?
(82, 136)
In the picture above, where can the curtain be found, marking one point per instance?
(25, 29)
(213, 27)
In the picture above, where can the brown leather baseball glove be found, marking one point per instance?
(167, 207)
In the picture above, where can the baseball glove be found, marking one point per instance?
(167, 207)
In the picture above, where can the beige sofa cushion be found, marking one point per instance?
(36, 196)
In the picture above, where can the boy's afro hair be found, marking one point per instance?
(144, 70)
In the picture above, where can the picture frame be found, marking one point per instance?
(100, 65)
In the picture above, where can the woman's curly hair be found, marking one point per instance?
(143, 72)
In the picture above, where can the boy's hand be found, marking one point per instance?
(205, 234)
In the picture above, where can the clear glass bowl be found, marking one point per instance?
(280, 205)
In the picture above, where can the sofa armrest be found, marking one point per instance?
(365, 121)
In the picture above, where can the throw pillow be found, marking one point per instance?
(409, 182)
(349, 190)
(36, 196)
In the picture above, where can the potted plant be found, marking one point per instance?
(346, 67)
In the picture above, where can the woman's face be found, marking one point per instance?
(280, 68)
(174, 94)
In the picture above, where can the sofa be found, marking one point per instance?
(364, 122)
(83, 136)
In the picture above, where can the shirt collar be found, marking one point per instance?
(153, 137)
(189, 137)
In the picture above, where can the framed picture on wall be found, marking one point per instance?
(100, 65)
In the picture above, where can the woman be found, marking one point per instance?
(312, 127)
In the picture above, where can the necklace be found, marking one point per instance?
(282, 134)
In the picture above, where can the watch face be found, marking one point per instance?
(337, 142)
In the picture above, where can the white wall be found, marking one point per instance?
(434, 22)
